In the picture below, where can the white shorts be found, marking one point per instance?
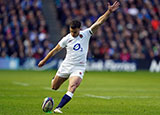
(67, 71)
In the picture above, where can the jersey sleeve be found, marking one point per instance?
(63, 42)
(88, 32)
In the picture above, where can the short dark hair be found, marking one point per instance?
(75, 24)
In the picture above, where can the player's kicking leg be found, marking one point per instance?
(74, 82)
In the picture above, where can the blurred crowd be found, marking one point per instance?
(132, 32)
(23, 30)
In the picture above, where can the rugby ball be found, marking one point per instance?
(47, 104)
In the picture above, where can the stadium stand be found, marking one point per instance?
(131, 33)
(23, 30)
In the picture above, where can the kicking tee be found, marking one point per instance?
(77, 47)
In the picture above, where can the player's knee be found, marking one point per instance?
(54, 87)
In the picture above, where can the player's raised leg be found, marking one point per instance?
(74, 82)
(57, 81)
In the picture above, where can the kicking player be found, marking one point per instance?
(73, 66)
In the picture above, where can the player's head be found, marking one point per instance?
(75, 26)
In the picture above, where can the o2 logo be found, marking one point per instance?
(77, 47)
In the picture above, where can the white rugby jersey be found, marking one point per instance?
(77, 47)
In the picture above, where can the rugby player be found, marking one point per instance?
(73, 66)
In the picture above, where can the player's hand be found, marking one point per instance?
(114, 7)
(41, 63)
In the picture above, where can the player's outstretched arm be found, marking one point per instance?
(49, 55)
(104, 17)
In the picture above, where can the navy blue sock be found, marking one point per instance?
(64, 101)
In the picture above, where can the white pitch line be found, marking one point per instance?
(20, 83)
(59, 90)
(18, 95)
(101, 97)
(120, 97)
(122, 90)
(47, 88)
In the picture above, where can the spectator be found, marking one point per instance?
(124, 56)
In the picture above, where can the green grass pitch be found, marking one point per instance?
(100, 93)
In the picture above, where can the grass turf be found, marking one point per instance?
(100, 93)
